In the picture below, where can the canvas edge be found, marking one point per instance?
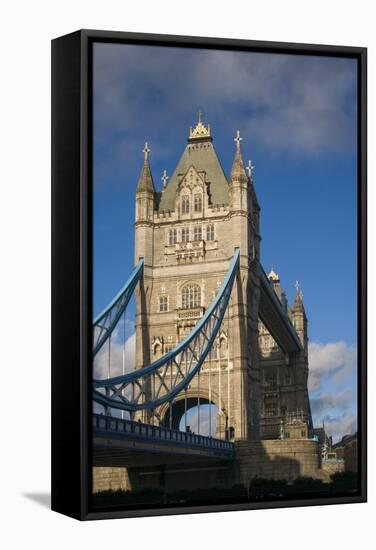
(87, 37)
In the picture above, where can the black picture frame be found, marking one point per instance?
(72, 265)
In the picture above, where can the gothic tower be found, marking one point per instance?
(187, 235)
(284, 377)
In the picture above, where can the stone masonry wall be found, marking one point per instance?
(105, 479)
(276, 459)
(267, 459)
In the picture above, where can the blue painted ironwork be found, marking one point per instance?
(137, 431)
(160, 382)
(105, 323)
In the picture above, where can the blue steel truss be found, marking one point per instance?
(160, 382)
(105, 323)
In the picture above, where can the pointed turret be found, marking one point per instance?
(255, 207)
(238, 170)
(239, 182)
(298, 300)
(276, 282)
(145, 182)
(146, 196)
(299, 316)
(250, 169)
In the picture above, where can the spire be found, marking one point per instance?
(200, 131)
(298, 301)
(145, 183)
(238, 170)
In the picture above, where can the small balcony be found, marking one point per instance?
(189, 251)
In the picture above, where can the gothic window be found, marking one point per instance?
(173, 236)
(191, 296)
(185, 234)
(197, 233)
(197, 202)
(210, 233)
(185, 204)
(163, 303)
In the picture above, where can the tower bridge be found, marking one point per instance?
(212, 328)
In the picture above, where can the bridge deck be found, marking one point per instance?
(115, 433)
(275, 319)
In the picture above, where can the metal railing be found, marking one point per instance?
(161, 433)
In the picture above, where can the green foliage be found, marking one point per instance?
(340, 483)
(344, 481)
(258, 489)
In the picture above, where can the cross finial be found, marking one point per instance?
(250, 168)
(146, 150)
(199, 116)
(164, 178)
(238, 139)
(297, 286)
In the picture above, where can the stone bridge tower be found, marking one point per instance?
(187, 234)
(284, 400)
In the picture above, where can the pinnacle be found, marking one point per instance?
(238, 169)
(145, 183)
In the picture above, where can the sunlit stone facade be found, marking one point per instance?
(187, 234)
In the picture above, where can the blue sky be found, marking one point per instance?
(297, 117)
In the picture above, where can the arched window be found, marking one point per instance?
(185, 204)
(197, 202)
(191, 296)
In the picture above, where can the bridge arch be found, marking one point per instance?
(189, 400)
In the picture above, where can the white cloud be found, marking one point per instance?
(339, 425)
(329, 401)
(280, 102)
(335, 361)
(332, 386)
(121, 355)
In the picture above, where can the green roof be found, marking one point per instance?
(202, 156)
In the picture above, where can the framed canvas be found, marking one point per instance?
(200, 186)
